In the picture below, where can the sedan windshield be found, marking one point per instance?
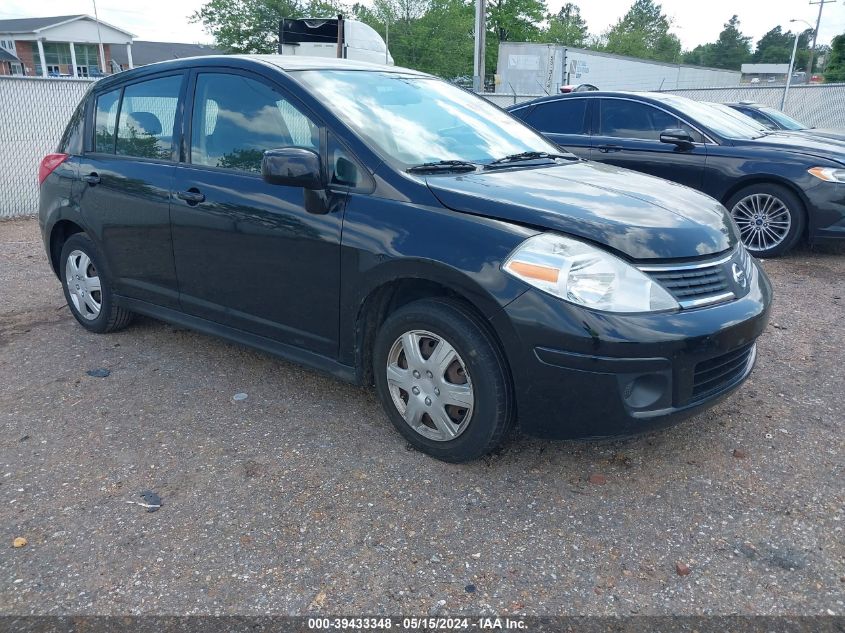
(787, 122)
(725, 125)
(412, 120)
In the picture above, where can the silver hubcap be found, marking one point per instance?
(763, 221)
(83, 285)
(430, 386)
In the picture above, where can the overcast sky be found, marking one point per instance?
(695, 21)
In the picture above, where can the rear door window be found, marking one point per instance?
(105, 122)
(147, 118)
(566, 116)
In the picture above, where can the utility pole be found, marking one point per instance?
(100, 38)
(480, 45)
(789, 76)
(821, 4)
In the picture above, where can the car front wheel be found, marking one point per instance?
(443, 380)
(770, 218)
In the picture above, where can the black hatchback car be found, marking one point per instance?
(779, 187)
(387, 227)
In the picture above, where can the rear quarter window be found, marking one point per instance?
(71, 141)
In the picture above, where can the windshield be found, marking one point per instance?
(412, 120)
(783, 120)
(723, 124)
(743, 118)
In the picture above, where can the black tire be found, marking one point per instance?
(794, 208)
(493, 412)
(111, 317)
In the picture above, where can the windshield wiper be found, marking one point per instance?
(443, 165)
(513, 158)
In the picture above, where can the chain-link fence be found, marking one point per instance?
(33, 115)
(821, 106)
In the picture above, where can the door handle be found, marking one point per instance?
(192, 196)
(606, 149)
(92, 179)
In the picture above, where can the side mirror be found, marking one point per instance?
(293, 167)
(678, 137)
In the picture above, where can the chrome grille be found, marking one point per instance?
(698, 283)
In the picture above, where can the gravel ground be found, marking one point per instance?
(302, 499)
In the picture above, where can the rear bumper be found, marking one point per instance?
(582, 374)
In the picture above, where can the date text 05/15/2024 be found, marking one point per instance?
(417, 624)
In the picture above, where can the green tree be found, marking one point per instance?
(515, 20)
(731, 50)
(252, 26)
(834, 71)
(566, 27)
(434, 36)
(642, 32)
(775, 47)
(698, 55)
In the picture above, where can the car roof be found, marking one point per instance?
(285, 63)
(746, 104)
(653, 97)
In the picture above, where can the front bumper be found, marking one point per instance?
(826, 211)
(581, 374)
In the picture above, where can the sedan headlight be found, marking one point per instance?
(585, 275)
(828, 174)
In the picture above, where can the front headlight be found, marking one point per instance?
(828, 174)
(586, 275)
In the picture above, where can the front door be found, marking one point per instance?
(126, 174)
(628, 135)
(248, 253)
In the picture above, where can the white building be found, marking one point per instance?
(60, 46)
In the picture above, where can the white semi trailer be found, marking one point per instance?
(333, 37)
(529, 68)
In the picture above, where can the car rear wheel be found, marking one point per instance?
(442, 380)
(770, 218)
(87, 289)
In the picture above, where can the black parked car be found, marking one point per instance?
(773, 119)
(385, 226)
(777, 186)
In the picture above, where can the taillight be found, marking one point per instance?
(48, 164)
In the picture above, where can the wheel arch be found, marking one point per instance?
(59, 234)
(389, 293)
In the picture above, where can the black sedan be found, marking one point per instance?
(778, 186)
(772, 119)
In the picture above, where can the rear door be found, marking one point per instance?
(628, 135)
(125, 179)
(564, 122)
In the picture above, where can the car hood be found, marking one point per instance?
(638, 215)
(809, 142)
(831, 134)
